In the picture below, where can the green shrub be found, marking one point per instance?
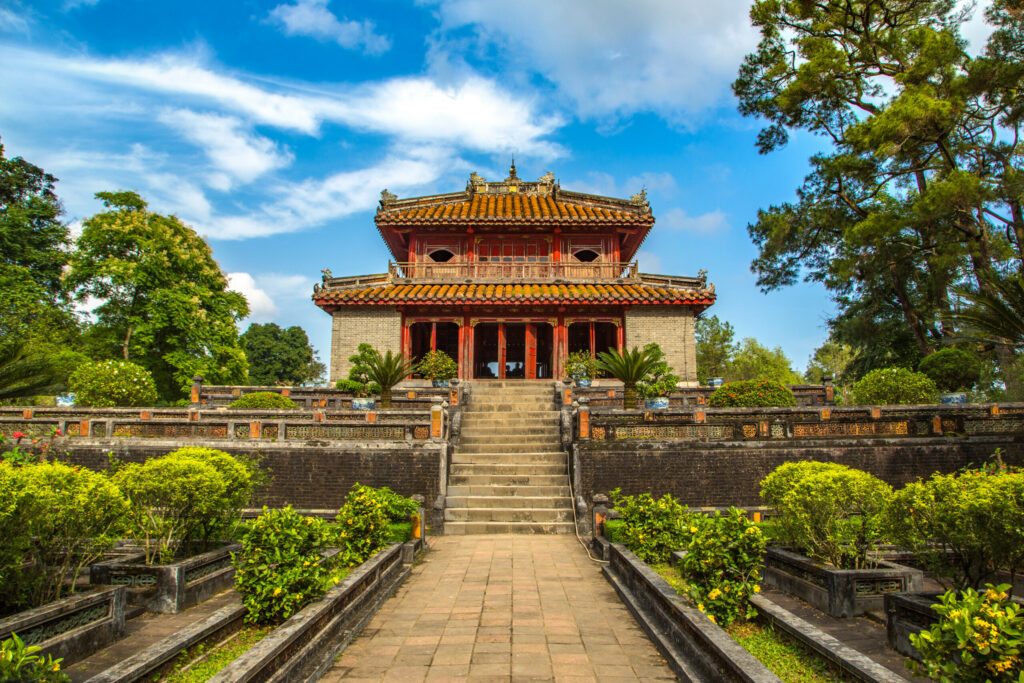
(280, 568)
(581, 365)
(363, 524)
(357, 388)
(652, 528)
(20, 663)
(399, 532)
(952, 369)
(978, 638)
(894, 386)
(659, 381)
(112, 384)
(397, 507)
(437, 365)
(241, 476)
(723, 564)
(614, 530)
(752, 393)
(833, 513)
(962, 527)
(264, 400)
(17, 535)
(172, 499)
(780, 482)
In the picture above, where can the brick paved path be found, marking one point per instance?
(503, 608)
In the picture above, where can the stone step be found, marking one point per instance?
(502, 442)
(509, 409)
(497, 501)
(509, 422)
(508, 468)
(538, 458)
(502, 489)
(477, 431)
(508, 514)
(475, 479)
(462, 528)
(524, 402)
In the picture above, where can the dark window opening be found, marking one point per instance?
(586, 255)
(441, 256)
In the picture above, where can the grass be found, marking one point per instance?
(202, 662)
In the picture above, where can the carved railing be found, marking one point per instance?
(610, 396)
(490, 271)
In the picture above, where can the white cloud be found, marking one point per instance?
(75, 4)
(608, 59)
(12, 22)
(312, 18)
(261, 307)
(599, 182)
(240, 154)
(705, 223)
(648, 261)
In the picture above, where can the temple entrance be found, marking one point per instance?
(434, 336)
(513, 350)
(593, 337)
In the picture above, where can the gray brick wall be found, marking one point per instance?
(379, 326)
(672, 328)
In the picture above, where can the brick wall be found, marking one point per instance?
(719, 475)
(379, 326)
(672, 328)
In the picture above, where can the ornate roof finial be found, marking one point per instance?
(512, 171)
(387, 197)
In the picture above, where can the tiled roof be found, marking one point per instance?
(479, 208)
(508, 294)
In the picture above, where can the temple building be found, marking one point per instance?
(510, 277)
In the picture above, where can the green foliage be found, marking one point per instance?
(833, 513)
(242, 476)
(279, 355)
(979, 638)
(23, 376)
(57, 520)
(894, 386)
(831, 359)
(202, 662)
(363, 523)
(659, 381)
(163, 300)
(280, 568)
(614, 530)
(996, 311)
(783, 656)
(112, 384)
(753, 393)
(387, 370)
(716, 346)
(172, 499)
(722, 566)
(952, 369)
(357, 388)
(437, 365)
(581, 365)
(263, 400)
(629, 367)
(20, 663)
(359, 362)
(399, 532)
(962, 527)
(652, 528)
(753, 360)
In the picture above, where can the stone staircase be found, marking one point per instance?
(509, 472)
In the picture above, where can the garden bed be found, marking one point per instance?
(839, 592)
(71, 628)
(169, 588)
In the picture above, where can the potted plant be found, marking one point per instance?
(388, 370)
(581, 367)
(629, 367)
(362, 392)
(954, 371)
(438, 367)
(659, 383)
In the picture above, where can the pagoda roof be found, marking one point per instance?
(455, 294)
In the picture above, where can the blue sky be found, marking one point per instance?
(272, 127)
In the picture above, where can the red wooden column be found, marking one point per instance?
(620, 340)
(462, 349)
(593, 341)
(501, 350)
(433, 336)
(531, 351)
(558, 344)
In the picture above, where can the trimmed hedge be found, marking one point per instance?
(894, 386)
(112, 384)
(752, 393)
(264, 400)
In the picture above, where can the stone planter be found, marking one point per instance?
(440, 383)
(583, 382)
(657, 403)
(169, 588)
(838, 592)
(715, 382)
(364, 404)
(953, 398)
(908, 613)
(71, 628)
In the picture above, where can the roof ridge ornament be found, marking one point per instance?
(640, 200)
(387, 197)
(512, 175)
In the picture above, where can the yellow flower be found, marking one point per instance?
(277, 591)
(712, 618)
(55, 667)
(713, 595)
(693, 529)
(757, 589)
(700, 606)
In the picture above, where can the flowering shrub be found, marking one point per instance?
(963, 526)
(722, 565)
(264, 400)
(112, 384)
(26, 450)
(831, 512)
(581, 365)
(437, 365)
(280, 567)
(979, 638)
(752, 393)
(652, 528)
(241, 478)
(20, 662)
(363, 523)
(894, 386)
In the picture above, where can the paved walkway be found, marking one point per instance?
(503, 608)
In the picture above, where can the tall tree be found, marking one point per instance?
(716, 345)
(829, 360)
(163, 300)
(919, 189)
(280, 356)
(753, 360)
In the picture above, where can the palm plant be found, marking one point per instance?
(996, 313)
(629, 367)
(387, 370)
(22, 376)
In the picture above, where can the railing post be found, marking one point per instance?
(566, 392)
(197, 391)
(454, 393)
(436, 418)
(600, 501)
(583, 416)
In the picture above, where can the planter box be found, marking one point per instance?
(659, 403)
(169, 588)
(838, 592)
(71, 628)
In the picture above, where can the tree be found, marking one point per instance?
(164, 302)
(829, 360)
(23, 375)
(716, 345)
(919, 191)
(280, 356)
(756, 361)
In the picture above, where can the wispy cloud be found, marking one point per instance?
(261, 306)
(706, 223)
(312, 18)
(13, 22)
